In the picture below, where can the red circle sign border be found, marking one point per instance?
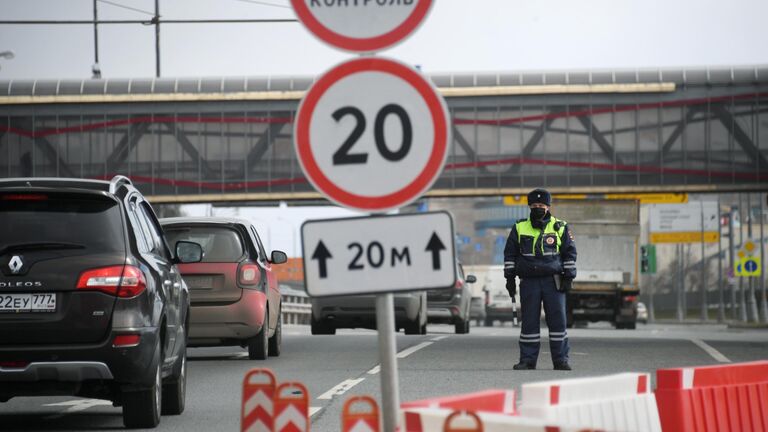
(434, 164)
(362, 45)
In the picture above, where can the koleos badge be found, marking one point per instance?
(15, 264)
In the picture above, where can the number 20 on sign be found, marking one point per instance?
(372, 134)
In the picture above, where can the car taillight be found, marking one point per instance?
(121, 281)
(249, 275)
(24, 197)
(630, 299)
(127, 340)
(14, 364)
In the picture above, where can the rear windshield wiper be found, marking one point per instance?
(40, 246)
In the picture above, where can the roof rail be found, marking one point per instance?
(118, 181)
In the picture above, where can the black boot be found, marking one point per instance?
(562, 366)
(524, 366)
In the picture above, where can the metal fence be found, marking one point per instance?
(697, 281)
(297, 308)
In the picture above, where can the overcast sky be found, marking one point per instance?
(458, 36)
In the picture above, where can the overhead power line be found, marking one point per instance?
(151, 22)
(264, 3)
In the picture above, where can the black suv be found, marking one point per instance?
(91, 302)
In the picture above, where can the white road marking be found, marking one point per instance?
(340, 389)
(314, 410)
(348, 384)
(76, 406)
(717, 355)
(406, 352)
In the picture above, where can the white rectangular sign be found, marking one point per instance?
(682, 223)
(378, 254)
(684, 217)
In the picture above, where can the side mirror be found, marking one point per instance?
(188, 252)
(278, 257)
(471, 279)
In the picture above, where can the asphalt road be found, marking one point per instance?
(440, 363)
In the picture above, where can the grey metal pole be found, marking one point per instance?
(721, 307)
(742, 294)
(651, 281)
(95, 34)
(390, 394)
(704, 268)
(752, 304)
(763, 296)
(680, 282)
(686, 249)
(651, 289)
(732, 263)
(157, 38)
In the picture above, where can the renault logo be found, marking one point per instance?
(15, 264)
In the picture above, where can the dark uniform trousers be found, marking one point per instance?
(533, 291)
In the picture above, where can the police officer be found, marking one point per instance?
(540, 251)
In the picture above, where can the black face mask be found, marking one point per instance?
(538, 213)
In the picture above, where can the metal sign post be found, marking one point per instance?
(368, 118)
(380, 255)
(390, 393)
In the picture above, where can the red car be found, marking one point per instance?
(235, 297)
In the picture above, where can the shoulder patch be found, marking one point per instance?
(570, 234)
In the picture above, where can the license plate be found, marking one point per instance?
(27, 302)
(199, 282)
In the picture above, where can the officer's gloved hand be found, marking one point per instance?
(511, 287)
(567, 284)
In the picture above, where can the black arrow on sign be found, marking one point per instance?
(435, 245)
(322, 254)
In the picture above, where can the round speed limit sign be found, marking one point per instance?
(372, 134)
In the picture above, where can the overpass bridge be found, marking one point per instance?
(230, 139)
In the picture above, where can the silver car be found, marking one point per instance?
(359, 311)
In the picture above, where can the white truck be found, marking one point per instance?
(607, 234)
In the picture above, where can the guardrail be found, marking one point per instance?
(297, 308)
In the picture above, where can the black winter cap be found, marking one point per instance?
(539, 196)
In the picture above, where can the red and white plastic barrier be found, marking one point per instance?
(434, 420)
(457, 422)
(614, 402)
(726, 398)
(291, 408)
(360, 414)
(495, 401)
(257, 409)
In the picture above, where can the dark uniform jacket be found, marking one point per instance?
(537, 252)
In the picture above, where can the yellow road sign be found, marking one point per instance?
(652, 198)
(748, 267)
(510, 200)
(684, 237)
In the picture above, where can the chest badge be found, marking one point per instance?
(550, 241)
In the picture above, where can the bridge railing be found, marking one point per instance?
(297, 308)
